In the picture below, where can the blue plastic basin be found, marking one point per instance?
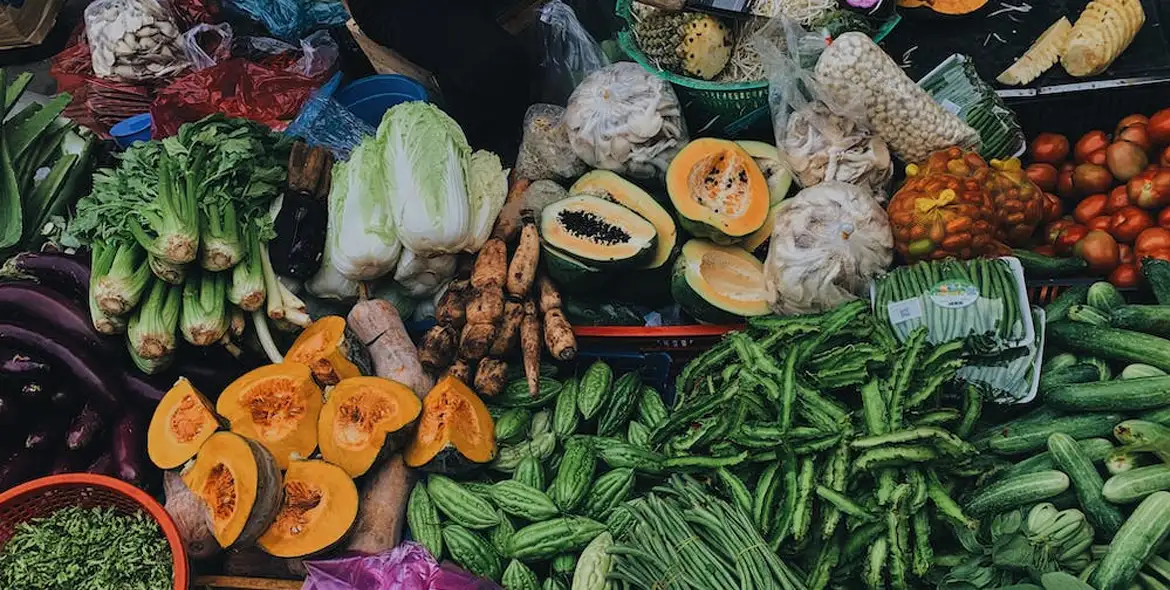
(369, 98)
(128, 132)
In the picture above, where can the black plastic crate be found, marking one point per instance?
(1074, 113)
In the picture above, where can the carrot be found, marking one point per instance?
(508, 222)
(460, 370)
(491, 376)
(522, 270)
(377, 325)
(475, 341)
(509, 331)
(438, 348)
(558, 335)
(491, 265)
(451, 309)
(530, 346)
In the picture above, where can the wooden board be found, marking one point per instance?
(388, 61)
(241, 583)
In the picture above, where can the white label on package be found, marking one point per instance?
(904, 311)
(951, 107)
(954, 294)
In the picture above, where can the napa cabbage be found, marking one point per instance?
(363, 243)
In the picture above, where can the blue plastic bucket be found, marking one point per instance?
(369, 98)
(128, 132)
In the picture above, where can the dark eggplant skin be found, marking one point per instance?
(103, 465)
(34, 392)
(46, 435)
(68, 461)
(75, 364)
(300, 226)
(84, 428)
(63, 400)
(126, 447)
(20, 466)
(22, 366)
(9, 411)
(65, 273)
(52, 313)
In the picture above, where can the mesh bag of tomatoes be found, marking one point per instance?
(956, 204)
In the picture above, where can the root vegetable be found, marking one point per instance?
(382, 508)
(475, 341)
(491, 376)
(487, 307)
(558, 335)
(550, 298)
(451, 309)
(509, 330)
(438, 348)
(191, 517)
(461, 370)
(395, 357)
(530, 346)
(508, 223)
(491, 265)
(522, 270)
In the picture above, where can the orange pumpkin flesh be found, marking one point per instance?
(239, 482)
(320, 506)
(276, 405)
(719, 191)
(455, 430)
(331, 351)
(183, 420)
(358, 424)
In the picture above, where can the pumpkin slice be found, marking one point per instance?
(183, 420)
(320, 506)
(359, 422)
(239, 482)
(456, 431)
(278, 406)
(598, 232)
(614, 188)
(1042, 55)
(718, 284)
(331, 350)
(719, 191)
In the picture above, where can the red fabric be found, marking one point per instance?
(236, 87)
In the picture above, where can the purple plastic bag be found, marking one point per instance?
(406, 567)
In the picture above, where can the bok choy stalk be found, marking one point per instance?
(168, 225)
(152, 328)
(247, 290)
(120, 276)
(204, 319)
(102, 261)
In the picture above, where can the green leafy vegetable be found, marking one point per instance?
(120, 276)
(152, 327)
(204, 319)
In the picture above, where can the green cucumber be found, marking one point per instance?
(1138, 370)
(1058, 309)
(1040, 266)
(1111, 343)
(1078, 373)
(1104, 296)
(1151, 319)
(1096, 449)
(1133, 485)
(1063, 360)
(1104, 371)
(1023, 436)
(1146, 529)
(1015, 491)
(1157, 273)
(1122, 396)
(1087, 483)
(1087, 314)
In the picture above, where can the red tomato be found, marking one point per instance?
(1090, 207)
(1069, 237)
(1159, 127)
(1101, 222)
(1125, 276)
(1049, 147)
(1164, 218)
(1159, 253)
(1088, 143)
(1100, 250)
(1154, 238)
(1054, 207)
(1118, 199)
(1053, 229)
(1128, 223)
(1046, 250)
(1125, 254)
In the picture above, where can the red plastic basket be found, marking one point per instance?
(42, 497)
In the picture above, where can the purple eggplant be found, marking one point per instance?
(15, 364)
(20, 466)
(127, 446)
(9, 411)
(50, 312)
(103, 465)
(84, 428)
(71, 461)
(63, 400)
(47, 434)
(65, 273)
(74, 363)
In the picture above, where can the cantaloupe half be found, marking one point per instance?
(718, 284)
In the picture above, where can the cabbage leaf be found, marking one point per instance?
(362, 241)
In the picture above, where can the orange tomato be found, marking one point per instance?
(1128, 223)
(1090, 207)
(1053, 229)
(1088, 143)
(1164, 218)
(1125, 276)
(1100, 250)
(1159, 253)
(1101, 222)
(1154, 238)
(1049, 147)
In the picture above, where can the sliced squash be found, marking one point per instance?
(570, 274)
(598, 232)
(758, 238)
(456, 431)
(718, 284)
(767, 157)
(1042, 55)
(331, 350)
(276, 405)
(319, 508)
(719, 191)
(365, 419)
(183, 420)
(239, 482)
(614, 188)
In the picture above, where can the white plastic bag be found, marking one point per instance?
(570, 52)
(133, 40)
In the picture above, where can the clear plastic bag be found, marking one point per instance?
(545, 153)
(570, 52)
(133, 40)
(290, 19)
(820, 139)
(206, 45)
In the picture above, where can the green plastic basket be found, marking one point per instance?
(728, 109)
